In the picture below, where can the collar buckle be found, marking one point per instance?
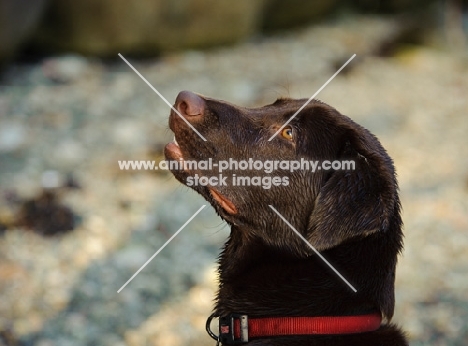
(227, 329)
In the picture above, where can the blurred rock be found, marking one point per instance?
(7, 338)
(280, 14)
(18, 19)
(46, 215)
(64, 69)
(51, 179)
(107, 27)
(13, 135)
(391, 6)
(69, 153)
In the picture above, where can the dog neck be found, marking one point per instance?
(259, 280)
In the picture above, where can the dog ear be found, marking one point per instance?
(355, 202)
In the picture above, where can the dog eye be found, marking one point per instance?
(287, 133)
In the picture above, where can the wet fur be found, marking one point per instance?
(351, 217)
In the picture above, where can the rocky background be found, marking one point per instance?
(74, 227)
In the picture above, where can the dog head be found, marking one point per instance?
(327, 206)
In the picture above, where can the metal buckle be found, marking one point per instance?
(209, 331)
(226, 329)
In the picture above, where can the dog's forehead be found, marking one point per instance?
(283, 105)
(283, 108)
(276, 112)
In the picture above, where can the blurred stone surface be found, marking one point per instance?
(391, 6)
(13, 136)
(146, 27)
(64, 69)
(18, 19)
(150, 27)
(46, 215)
(279, 14)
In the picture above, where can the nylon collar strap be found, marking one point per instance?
(238, 329)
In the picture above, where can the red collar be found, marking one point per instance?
(238, 329)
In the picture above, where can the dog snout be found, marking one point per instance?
(190, 105)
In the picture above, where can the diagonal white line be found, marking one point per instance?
(310, 245)
(162, 247)
(162, 97)
(312, 97)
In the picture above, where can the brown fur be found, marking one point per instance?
(351, 217)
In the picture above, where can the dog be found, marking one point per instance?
(332, 282)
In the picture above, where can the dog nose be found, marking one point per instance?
(190, 105)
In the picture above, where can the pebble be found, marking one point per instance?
(13, 136)
(65, 69)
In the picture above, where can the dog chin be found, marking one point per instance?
(172, 151)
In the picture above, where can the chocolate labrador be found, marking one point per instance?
(315, 220)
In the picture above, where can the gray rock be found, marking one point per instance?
(18, 18)
(280, 14)
(65, 69)
(13, 136)
(391, 6)
(107, 27)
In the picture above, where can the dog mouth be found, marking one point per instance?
(186, 152)
(172, 151)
